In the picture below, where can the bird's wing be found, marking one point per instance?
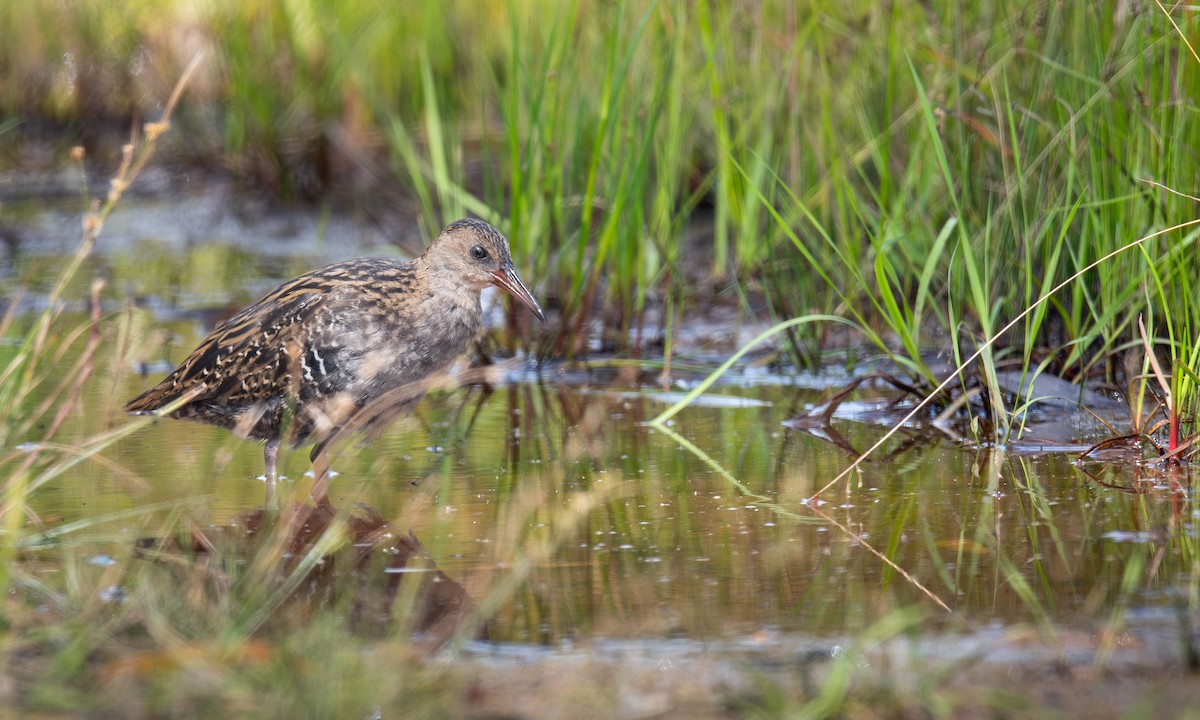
(249, 357)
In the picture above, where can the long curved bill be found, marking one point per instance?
(507, 278)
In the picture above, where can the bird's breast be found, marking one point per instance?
(376, 351)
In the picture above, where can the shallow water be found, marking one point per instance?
(680, 545)
(634, 533)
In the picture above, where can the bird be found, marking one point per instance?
(349, 346)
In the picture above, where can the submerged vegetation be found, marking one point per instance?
(1000, 182)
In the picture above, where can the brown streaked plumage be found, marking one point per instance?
(321, 348)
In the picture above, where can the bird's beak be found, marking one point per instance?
(507, 278)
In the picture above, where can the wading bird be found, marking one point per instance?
(346, 347)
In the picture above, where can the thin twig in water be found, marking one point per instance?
(766, 502)
(890, 563)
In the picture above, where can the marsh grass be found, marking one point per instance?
(152, 634)
(38, 361)
(190, 620)
(968, 178)
(925, 173)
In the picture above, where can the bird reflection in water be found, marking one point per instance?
(373, 569)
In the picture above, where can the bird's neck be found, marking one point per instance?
(449, 299)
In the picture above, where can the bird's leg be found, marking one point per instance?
(271, 457)
(320, 471)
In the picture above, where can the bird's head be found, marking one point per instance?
(474, 253)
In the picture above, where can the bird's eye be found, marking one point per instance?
(479, 252)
